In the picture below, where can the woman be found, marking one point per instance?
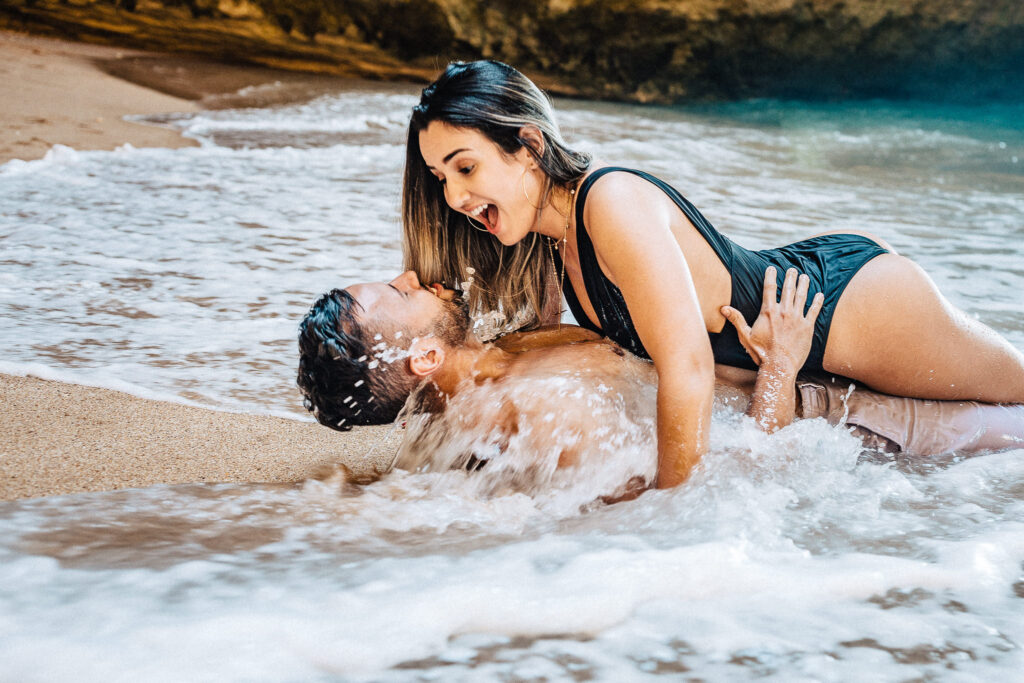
(640, 264)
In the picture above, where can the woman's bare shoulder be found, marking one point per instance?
(620, 204)
(617, 186)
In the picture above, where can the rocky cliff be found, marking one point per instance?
(645, 50)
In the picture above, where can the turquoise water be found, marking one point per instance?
(182, 275)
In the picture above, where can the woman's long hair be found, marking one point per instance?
(440, 244)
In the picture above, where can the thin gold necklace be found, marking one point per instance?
(553, 245)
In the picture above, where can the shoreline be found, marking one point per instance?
(68, 438)
(63, 98)
(63, 438)
(77, 94)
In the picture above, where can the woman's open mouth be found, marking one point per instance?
(486, 214)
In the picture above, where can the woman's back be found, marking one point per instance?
(829, 260)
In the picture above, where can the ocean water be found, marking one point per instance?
(183, 274)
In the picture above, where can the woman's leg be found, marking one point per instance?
(894, 331)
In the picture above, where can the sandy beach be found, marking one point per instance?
(62, 438)
(58, 95)
(77, 94)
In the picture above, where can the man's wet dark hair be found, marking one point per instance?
(342, 384)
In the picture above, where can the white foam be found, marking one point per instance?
(421, 567)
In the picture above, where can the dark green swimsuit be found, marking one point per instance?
(830, 261)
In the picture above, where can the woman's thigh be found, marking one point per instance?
(894, 331)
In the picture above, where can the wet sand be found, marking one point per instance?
(77, 94)
(62, 438)
(56, 94)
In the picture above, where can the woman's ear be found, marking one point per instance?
(426, 356)
(531, 136)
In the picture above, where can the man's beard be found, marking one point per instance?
(452, 325)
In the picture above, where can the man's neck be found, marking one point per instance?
(472, 361)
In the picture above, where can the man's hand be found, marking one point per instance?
(778, 342)
(782, 335)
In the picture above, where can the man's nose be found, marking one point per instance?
(407, 281)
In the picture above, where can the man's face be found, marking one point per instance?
(407, 307)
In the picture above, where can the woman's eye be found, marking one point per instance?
(466, 170)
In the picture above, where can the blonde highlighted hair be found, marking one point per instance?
(439, 243)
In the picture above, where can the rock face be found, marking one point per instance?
(646, 50)
(664, 50)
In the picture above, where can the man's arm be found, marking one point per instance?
(546, 335)
(778, 342)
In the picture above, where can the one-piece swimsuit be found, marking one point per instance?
(830, 261)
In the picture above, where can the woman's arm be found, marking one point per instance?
(546, 335)
(629, 221)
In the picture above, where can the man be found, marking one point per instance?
(364, 350)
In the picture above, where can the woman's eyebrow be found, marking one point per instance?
(449, 157)
(451, 154)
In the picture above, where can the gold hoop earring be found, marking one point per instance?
(525, 194)
(477, 226)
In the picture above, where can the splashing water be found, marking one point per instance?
(587, 439)
(783, 557)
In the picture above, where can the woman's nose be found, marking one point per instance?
(407, 281)
(456, 195)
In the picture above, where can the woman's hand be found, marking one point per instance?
(779, 342)
(782, 335)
